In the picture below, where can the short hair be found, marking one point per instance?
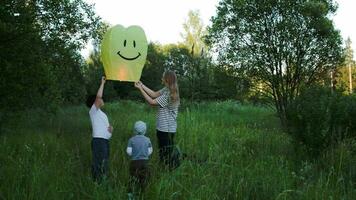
(90, 100)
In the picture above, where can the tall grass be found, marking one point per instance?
(234, 152)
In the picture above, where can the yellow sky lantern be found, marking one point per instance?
(124, 52)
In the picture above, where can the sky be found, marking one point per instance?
(163, 20)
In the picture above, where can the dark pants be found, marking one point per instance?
(139, 175)
(100, 163)
(165, 146)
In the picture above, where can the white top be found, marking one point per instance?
(99, 123)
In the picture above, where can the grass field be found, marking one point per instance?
(236, 152)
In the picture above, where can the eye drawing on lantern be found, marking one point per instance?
(126, 58)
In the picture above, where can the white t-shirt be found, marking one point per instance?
(99, 123)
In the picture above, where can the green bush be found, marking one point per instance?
(344, 117)
(318, 118)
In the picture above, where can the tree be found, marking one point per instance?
(283, 44)
(65, 27)
(193, 34)
(344, 75)
(95, 69)
(179, 59)
(198, 68)
(154, 66)
(40, 63)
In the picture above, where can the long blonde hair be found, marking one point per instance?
(170, 78)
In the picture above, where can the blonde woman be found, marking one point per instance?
(167, 102)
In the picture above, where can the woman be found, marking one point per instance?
(167, 101)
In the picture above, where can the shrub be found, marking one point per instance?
(318, 118)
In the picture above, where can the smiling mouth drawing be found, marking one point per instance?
(129, 58)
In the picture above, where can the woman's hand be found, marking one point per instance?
(110, 129)
(138, 85)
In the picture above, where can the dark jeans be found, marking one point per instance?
(100, 163)
(165, 146)
(139, 175)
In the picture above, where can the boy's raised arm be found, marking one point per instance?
(99, 94)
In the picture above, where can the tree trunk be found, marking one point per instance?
(350, 78)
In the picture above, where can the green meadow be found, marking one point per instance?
(235, 151)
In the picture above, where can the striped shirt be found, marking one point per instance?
(167, 112)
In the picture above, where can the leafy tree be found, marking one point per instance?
(40, 61)
(283, 44)
(154, 66)
(95, 69)
(224, 83)
(179, 59)
(345, 74)
(193, 34)
(22, 59)
(319, 118)
(198, 69)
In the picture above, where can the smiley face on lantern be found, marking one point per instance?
(124, 52)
